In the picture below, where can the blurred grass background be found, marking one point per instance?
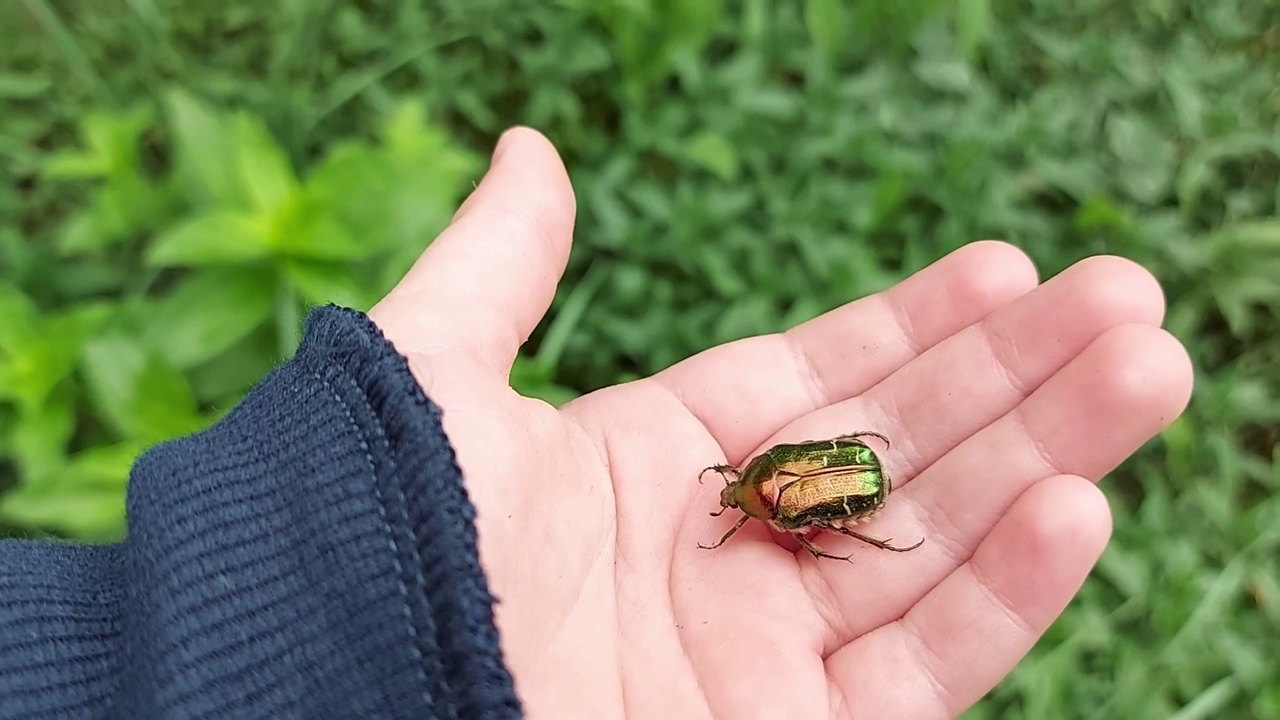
(182, 180)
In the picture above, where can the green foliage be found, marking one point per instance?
(183, 179)
(203, 270)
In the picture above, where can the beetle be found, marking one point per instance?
(831, 484)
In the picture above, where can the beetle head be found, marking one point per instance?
(729, 496)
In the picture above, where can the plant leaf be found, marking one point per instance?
(398, 194)
(75, 164)
(41, 435)
(211, 310)
(714, 153)
(204, 147)
(262, 166)
(324, 282)
(308, 230)
(1147, 160)
(136, 391)
(111, 143)
(20, 319)
(16, 86)
(214, 239)
(38, 352)
(88, 513)
(104, 466)
(973, 25)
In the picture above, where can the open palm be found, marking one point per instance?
(1005, 402)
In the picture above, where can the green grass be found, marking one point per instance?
(739, 165)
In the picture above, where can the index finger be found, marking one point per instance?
(744, 391)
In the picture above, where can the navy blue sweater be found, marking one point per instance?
(312, 555)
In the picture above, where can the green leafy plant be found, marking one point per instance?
(211, 264)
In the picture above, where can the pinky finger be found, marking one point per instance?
(970, 631)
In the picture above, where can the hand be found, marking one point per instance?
(1005, 402)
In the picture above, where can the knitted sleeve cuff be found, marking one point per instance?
(311, 555)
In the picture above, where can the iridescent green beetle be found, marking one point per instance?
(825, 484)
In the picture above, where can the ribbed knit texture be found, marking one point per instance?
(312, 555)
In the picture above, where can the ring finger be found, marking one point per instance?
(1124, 389)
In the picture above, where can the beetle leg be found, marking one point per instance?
(882, 544)
(741, 521)
(722, 469)
(819, 552)
(865, 433)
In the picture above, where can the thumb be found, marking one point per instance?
(485, 283)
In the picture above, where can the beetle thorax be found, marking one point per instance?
(757, 499)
